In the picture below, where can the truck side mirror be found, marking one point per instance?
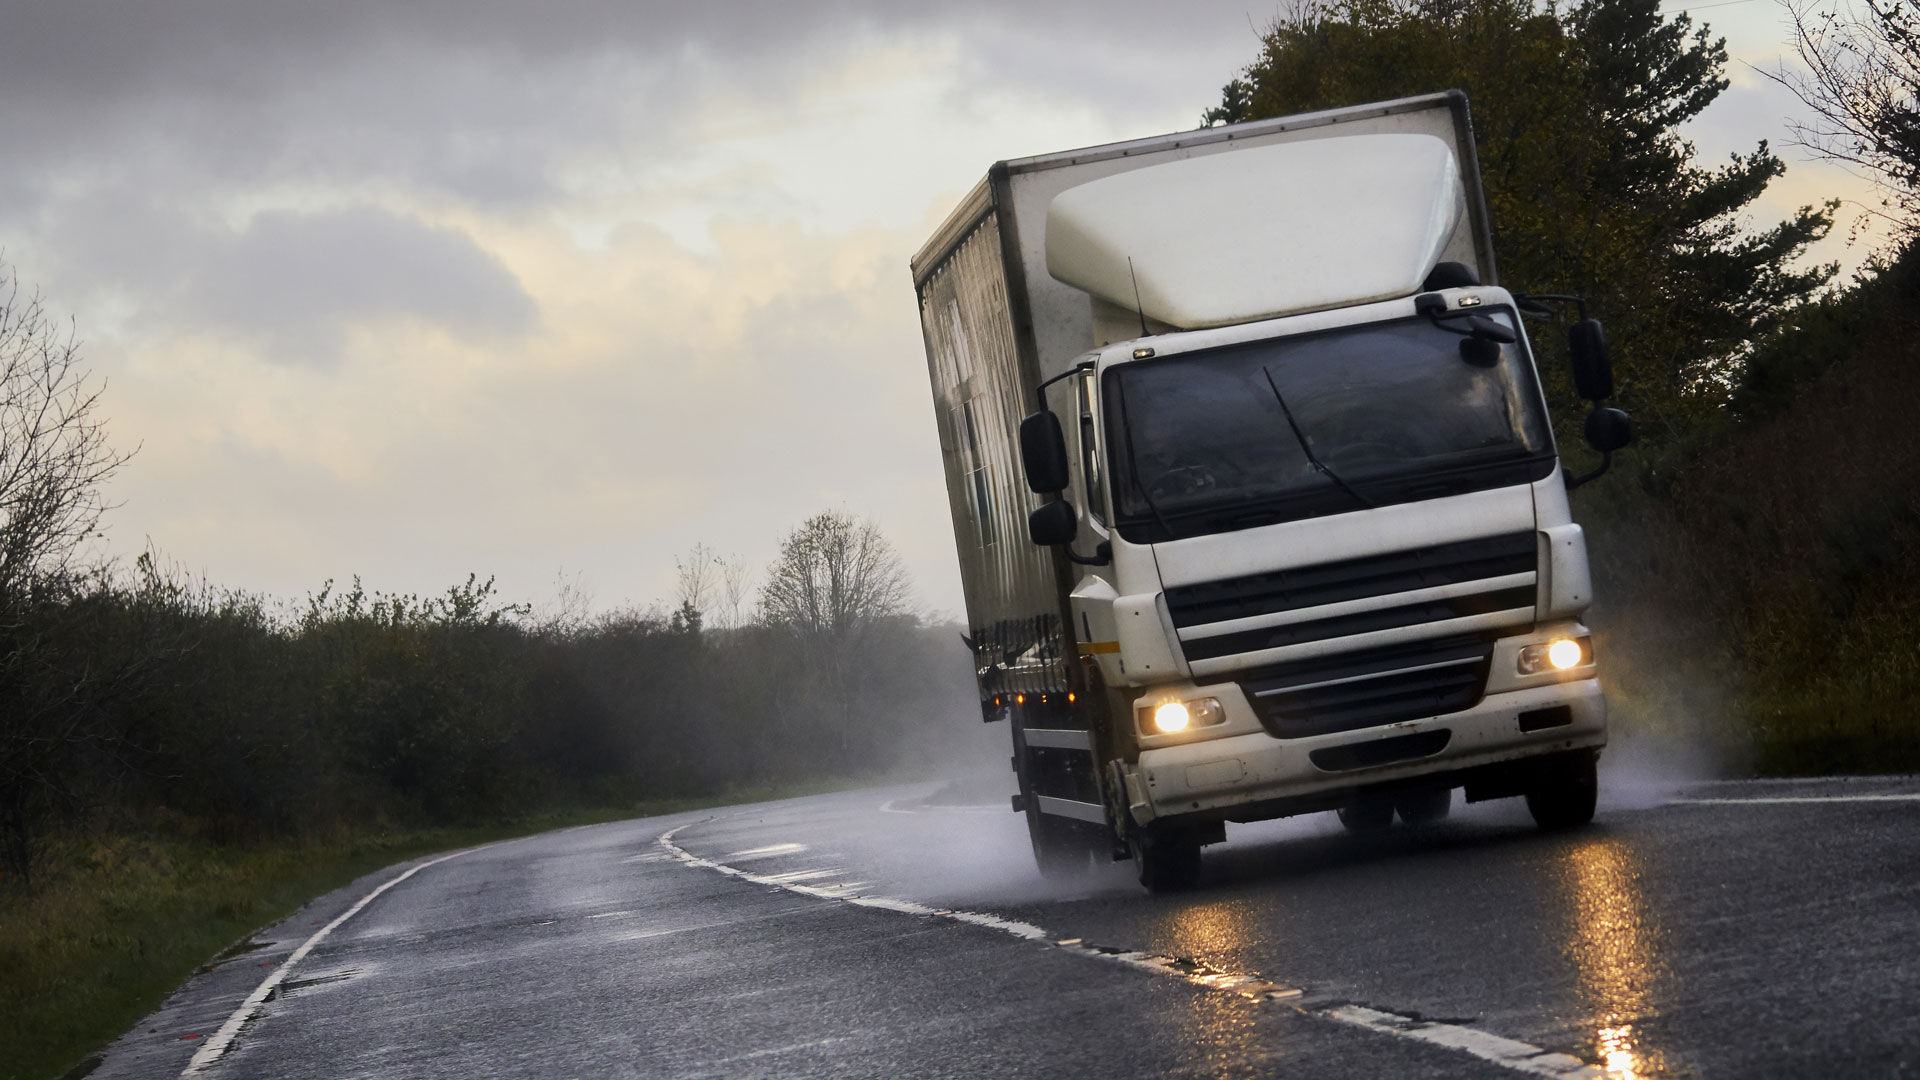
(1608, 430)
(1053, 523)
(1043, 452)
(1592, 368)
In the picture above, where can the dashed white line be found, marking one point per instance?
(1511, 1053)
(808, 875)
(767, 852)
(216, 1045)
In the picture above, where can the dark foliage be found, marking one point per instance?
(371, 710)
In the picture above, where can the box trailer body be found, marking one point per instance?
(1342, 558)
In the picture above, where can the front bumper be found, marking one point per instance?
(1213, 777)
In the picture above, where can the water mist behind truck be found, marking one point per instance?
(1256, 498)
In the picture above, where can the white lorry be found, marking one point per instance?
(1257, 503)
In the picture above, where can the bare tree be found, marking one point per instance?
(836, 576)
(697, 573)
(571, 609)
(1862, 81)
(835, 581)
(736, 577)
(54, 458)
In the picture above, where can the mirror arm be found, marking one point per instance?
(1606, 462)
(1040, 392)
(1532, 300)
(1102, 554)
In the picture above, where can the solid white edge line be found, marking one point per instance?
(216, 1044)
(1511, 1053)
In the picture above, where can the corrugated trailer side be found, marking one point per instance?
(980, 377)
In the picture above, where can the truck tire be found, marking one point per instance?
(1564, 791)
(1367, 815)
(1168, 859)
(1063, 848)
(1424, 807)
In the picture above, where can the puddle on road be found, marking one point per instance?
(291, 985)
(1613, 946)
(235, 951)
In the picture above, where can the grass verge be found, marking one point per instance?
(120, 918)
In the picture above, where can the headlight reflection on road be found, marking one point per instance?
(1613, 950)
(1215, 930)
(1223, 1025)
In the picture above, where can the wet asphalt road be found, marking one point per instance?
(1760, 929)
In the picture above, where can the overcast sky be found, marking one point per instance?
(408, 290)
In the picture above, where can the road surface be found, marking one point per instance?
(1744, 929)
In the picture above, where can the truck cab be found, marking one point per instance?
(1309, 539)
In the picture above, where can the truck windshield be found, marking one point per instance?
(1383, 413)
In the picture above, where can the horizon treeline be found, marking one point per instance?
(143, 698)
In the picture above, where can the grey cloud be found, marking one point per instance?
(301, 275)
(474, 97)
(294, 282)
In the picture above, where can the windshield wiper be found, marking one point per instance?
(1133, 466)
(1305, 447)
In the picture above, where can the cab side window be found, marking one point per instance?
(1090, 460)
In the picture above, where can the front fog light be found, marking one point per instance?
(1168, 717)
(1560, 654)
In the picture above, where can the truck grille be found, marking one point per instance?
(1219, 620)
(1307, 645)
(1371, 687)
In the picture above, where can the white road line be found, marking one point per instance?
(767, 852)
(1867, 778)
(215, 1046)
(896, 807)
(1781, 800)
(1511, 1053)
(808, 875)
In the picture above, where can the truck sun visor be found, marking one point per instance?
(1266, 231)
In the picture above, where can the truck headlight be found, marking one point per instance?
(1168, 717)
(1560, 654)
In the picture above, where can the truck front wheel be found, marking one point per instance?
(1564, 791)
(1424, 807)
(1168, 859)
(1368, 814)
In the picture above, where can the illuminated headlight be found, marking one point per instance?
(1559, 654)
(1168, 717)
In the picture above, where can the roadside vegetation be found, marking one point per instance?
(1756, 549)
(197, 762)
